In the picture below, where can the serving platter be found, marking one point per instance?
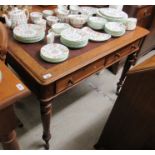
(122, 20)
(113, 13)
(96, 36)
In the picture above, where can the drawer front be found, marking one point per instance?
(79, 75)
(145, 12)
(116, 56)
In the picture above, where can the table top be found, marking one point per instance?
(27, 55)
(148, 64)
(11, 88)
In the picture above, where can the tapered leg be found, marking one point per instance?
(8, 122)
(46, 110)
(9, 141)
(131, 60)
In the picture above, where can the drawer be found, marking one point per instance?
(79, 75)
(125, 51)
(145, 12)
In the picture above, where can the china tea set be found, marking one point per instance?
(75, 26)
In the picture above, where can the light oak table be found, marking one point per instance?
(11, 90)
(49, 80)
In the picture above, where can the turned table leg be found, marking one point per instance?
(46, 110)
(131, 60)
(9, 141)
(8, 122)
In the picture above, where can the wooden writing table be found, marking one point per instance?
(11, 89)
(49, 80)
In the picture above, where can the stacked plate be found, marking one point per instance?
(54, 53)
(96, 23)
(29, 33)
(59, 27)
(115, 29)
(96, 36)
(112, 14)
(74, 38)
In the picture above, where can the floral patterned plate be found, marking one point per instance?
(113, 13)
(96, 36)
(28, 31)
(74, 35)
(54, 52)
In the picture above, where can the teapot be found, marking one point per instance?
(16, 17)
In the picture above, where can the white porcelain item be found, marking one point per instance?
(59, 27)
(55, 34)
(41, 22)
(115, 27)
(77, 21)
(96, 36)
(47, 13)
(52, 20)
(89, 11)
(28, 33)
(35, 16)
(50, 37)
(117, 7)
(131, 23)
(54, 52)
(62, 15)
(74, 9)
(74, 35)
(62, 7)
(113, 13)
(16, 17)
(96, 23)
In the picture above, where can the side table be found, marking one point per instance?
(11, 89)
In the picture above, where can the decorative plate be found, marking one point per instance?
(28, 41)
(115, 27)
(96, 23)
(54, 52)
(113, 13)
(59, 27)
(28, 30)
(74, 35)
(96, 36)
(73, 45)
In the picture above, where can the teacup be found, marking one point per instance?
(62, 7)
(47, 13)
(41, 22)
(50, 37)
(74, 9)
(131, 23)
(117, 7)
(62, 15)
(52, 20)
(78, 20)
(35, 16)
